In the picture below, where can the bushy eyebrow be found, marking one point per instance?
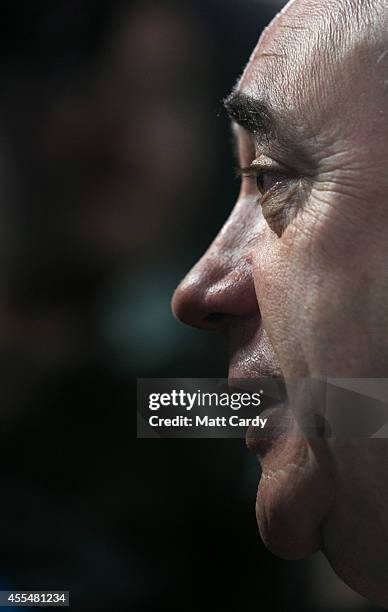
(251, 113)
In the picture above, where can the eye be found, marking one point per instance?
(265, 174)
(265, 181)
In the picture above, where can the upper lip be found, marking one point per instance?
(251, 353)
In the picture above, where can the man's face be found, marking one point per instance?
(298, 275)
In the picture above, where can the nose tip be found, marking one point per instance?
(191, 307)
(201, 303)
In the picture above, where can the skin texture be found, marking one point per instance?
(300, 283)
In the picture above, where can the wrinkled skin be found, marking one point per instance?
(303, 292)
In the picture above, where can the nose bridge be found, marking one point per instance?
(220, 285)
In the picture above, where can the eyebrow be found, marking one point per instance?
(251, 113)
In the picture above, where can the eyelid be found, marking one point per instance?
(264, 164)
(267, 164)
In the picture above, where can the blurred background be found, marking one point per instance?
(116, 171)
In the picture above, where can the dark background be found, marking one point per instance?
(116, 170)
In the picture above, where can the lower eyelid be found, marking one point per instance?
(278, 183)
(282, 206)
(281, 192)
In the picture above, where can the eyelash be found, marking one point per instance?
(260, 175)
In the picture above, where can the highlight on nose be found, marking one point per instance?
(210, 304)
(190, 306)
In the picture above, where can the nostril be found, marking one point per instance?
(215, 319)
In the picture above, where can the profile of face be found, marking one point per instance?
(298, 275)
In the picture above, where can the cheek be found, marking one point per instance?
(281, 283)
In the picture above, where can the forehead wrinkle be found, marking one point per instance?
(312, 47)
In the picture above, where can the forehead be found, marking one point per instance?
(317, 54)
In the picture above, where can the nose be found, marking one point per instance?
(220, 286)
